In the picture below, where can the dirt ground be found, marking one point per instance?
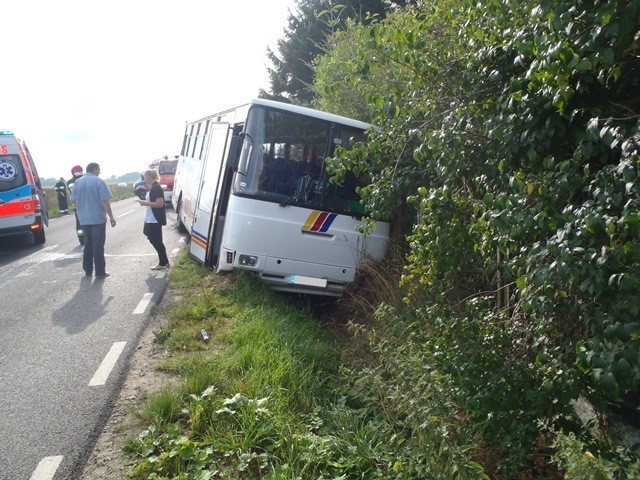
(107, 460)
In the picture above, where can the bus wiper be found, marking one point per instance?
(293, 198)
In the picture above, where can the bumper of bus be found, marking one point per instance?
(294, 276)
(287, 283)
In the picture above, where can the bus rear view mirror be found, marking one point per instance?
(245, 155)
(232, 159)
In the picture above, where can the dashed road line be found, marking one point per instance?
(107, 364)
(47, 468)
(125, 213)
(144, 303)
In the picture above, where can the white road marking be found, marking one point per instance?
(144, 303)
(107, 364)
(24, 265)
(45, 255)
(40, 252)
(125, 213)
(32, 257)
(46, 469)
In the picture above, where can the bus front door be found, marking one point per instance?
(208, 192)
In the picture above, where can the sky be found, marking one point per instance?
(115, 81)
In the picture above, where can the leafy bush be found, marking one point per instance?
(513, 130)
(579, 463)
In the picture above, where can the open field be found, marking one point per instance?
(53, 209)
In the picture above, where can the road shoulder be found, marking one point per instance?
(107, 461)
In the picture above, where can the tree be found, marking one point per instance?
(292, 74)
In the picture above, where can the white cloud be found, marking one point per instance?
(115, 81)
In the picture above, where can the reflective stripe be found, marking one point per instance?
(15, 194)
(17, 208)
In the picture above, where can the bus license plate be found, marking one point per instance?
(309, 281)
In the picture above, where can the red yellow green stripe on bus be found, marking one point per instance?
(319, 221)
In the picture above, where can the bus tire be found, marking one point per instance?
(39, 237)
(181, 227)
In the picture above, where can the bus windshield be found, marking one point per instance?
(286, 161)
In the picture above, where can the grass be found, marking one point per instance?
(53, 209)
(261, 399)
(162, 408)
(260, 345)
(278, 393)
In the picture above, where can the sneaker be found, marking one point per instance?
(104, 275)
(161, 267)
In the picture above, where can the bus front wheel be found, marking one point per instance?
(181, 227)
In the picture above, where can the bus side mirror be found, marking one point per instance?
(245, 155)
(232, 157)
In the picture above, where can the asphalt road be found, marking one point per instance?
(65, 339)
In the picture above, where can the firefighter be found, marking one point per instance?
(61, 189)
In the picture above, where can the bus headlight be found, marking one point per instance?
(248, 260)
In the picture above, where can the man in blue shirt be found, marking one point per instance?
(91, 197)
(140, 188)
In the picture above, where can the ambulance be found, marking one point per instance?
(23, 208)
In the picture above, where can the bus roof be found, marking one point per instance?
(310, 112)
(330, 117)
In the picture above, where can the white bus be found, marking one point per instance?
(252, 191)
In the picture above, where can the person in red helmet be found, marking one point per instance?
(76, 173)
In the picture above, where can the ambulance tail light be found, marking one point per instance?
(37, 206)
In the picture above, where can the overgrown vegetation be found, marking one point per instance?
(273, 395)
(506, 151)
(512, 128)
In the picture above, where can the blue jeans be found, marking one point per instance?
(93, 254)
